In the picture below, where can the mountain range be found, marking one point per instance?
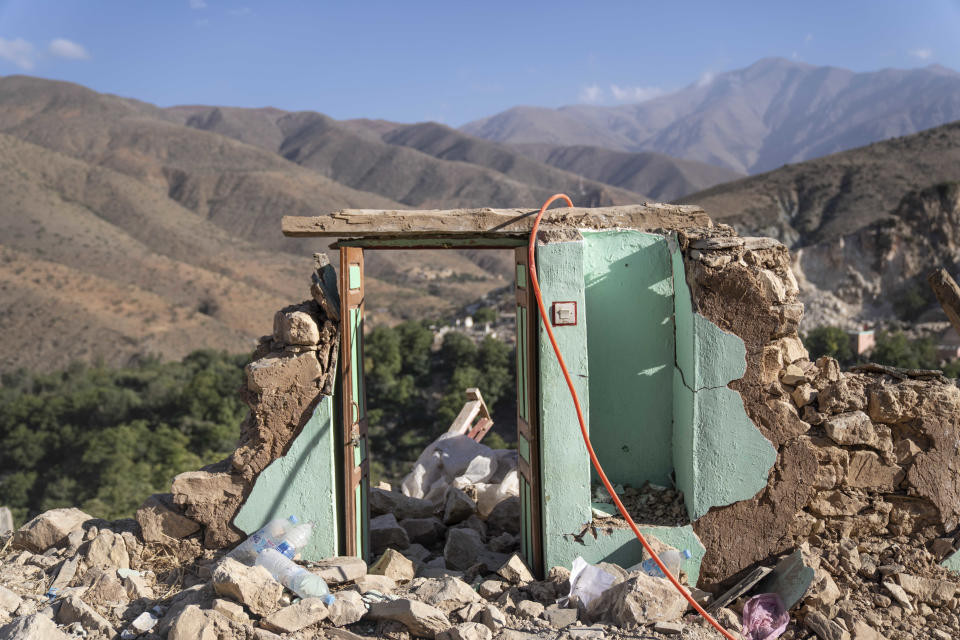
(751, 120)
(130, 229)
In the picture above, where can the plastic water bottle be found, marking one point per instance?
(270, 535)
(295, 539)
(671, 558)
(293, 576)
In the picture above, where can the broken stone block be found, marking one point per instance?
(394, 565)
(380, 584)
(49, 529)
(194, 623)
(231, 611)
(457, 506)
(793, 374)
(107, 551)
(104, 588)
(505, 517)
(836, 503)
(558, 617)
(348, 608)
(32, 627)
(936, 593)
(73, 609)
(852, 428)
(250, 586)
(160, 521)
(444, 592)
(144, 622)
(793, 349)
(639, 600)
(135, 584)
(211, 498)
(296, 328)
(383, 502)
(470, 612)
(669, 628)
(294, 617)
(772, 286)
(466, 631)
(515, 571)
(898, 594)
(463, 548)
(803, 395)
(491, 588)
(386, 533)
(529, 609)
(419, 618)
(339, 569)
(867, 470)
(424, 530)
(825, 628)
(9, 601)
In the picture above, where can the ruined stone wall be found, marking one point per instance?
(290, 372)
(858, 454)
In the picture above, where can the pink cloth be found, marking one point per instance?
(765, 617)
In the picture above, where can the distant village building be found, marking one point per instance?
(862, 340)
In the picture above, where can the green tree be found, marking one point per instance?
(830, 341)
(897, 350)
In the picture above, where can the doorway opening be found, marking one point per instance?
(417, 370)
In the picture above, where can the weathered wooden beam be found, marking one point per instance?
(354, 223)
(948, 293)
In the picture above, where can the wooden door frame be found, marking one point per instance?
(349, 250)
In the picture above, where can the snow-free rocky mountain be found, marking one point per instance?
(750, 120)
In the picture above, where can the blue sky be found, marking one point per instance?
(448, 61)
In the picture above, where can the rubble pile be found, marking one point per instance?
(67, 575)
(651, 504)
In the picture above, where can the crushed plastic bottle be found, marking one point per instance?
(293, 576)
(270, 535)
(295, 539)
(671, 558)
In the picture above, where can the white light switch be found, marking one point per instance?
(564, 313)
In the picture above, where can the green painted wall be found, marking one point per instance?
(565, 471)
(719, 455)
(302, 483)
(952, 562)
(630, 337)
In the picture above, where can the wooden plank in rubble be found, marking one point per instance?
(491, 223)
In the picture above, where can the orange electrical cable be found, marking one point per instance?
(531, 264)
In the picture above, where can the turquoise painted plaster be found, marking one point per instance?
(630, 339)
(719, 455)
(565, 466)
(952, 562)
(302, 483)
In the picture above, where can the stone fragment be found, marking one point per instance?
(441, 592)
(559, 617)
(104, 588)
(32, 627)
(490, 588)
(136, 585)
(936, 593)
(340, 634)
(348, 608)
(49, 529)
(529, 609)
(231, 611)
(144, 622)
(862, 631)
(793, 349)
(803, 395)
(9, 601)
(107, 551)
(457, 506)
(852, 428)
(73, 609)
(639, 600)
(898, 594)
(823, 591)
(867, 470)
(401, 506)
(466, 631)
(825, 628)
(515, 571)
(380, 584)
(505, 517)
(470, 612)
(386, 533)
(586, 633)
(419, 618)
(493, 618)
(295, 617)
(772, 286)
(393, 565)
(250, 586)
(339, 569)
(210, 498)
(194, 623)
(793, 374)
(669, 628)
(424, 530)
(836, 503)
(296, 328)
(160, 521)
(463, 549)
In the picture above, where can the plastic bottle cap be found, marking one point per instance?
(686, 553)
(293, 519)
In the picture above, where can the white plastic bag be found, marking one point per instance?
(588, 582)
(448, 458)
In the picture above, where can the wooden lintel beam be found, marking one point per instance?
(358, 223)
